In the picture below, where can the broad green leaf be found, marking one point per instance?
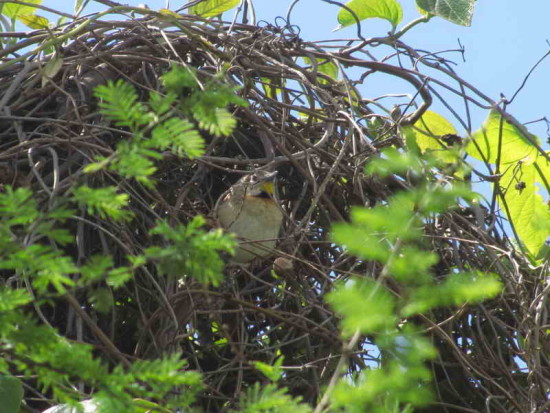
(456, 11)
(526, 207)
(543, 172)
(15, 11)
(270, 87)
(327, 67)
(211, 8)
(421, 10)
(34, 21)
(11, 394)
(514, 147)
(429, 128)
(389, 10)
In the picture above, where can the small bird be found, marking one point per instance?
(249, 210)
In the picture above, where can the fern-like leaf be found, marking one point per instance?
(180, 136)
(119, 103)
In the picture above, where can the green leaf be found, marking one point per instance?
(178, 78)
(374, 230)
(473, 287)
(360, 243)
(270, 399)
(389, 10)
(103, 201)
(60, 235)
(388, 389)
(11, 299)
(55, 272)
(430, 128)
(161, 104)
(133, 161)
(119, 103)
(328, 67)
(218, 122)
(15, 11)
(180, 136)
(412, 265)
(392, 161)
(34, 21)
(11, 394)
(274, 372)
(191, 251)
(543, 172)
(365, 306)
(514, 147)
(526, 207)
(456, 11)
(117, 277)
(18, 206)
(457, 289)
(211, 8)
(96, 268)
(393, 221)
(271, 86)
(441, 198)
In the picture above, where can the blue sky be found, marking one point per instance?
(505, 40)
(502, 45)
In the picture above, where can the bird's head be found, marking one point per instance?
(260, 184)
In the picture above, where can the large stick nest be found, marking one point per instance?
(300, 122)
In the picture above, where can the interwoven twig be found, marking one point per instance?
(300, 121)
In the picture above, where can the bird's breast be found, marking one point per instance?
(257, 221)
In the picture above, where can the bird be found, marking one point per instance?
(249, 210)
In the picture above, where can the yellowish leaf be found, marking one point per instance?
(34, 21)
(211, 8)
